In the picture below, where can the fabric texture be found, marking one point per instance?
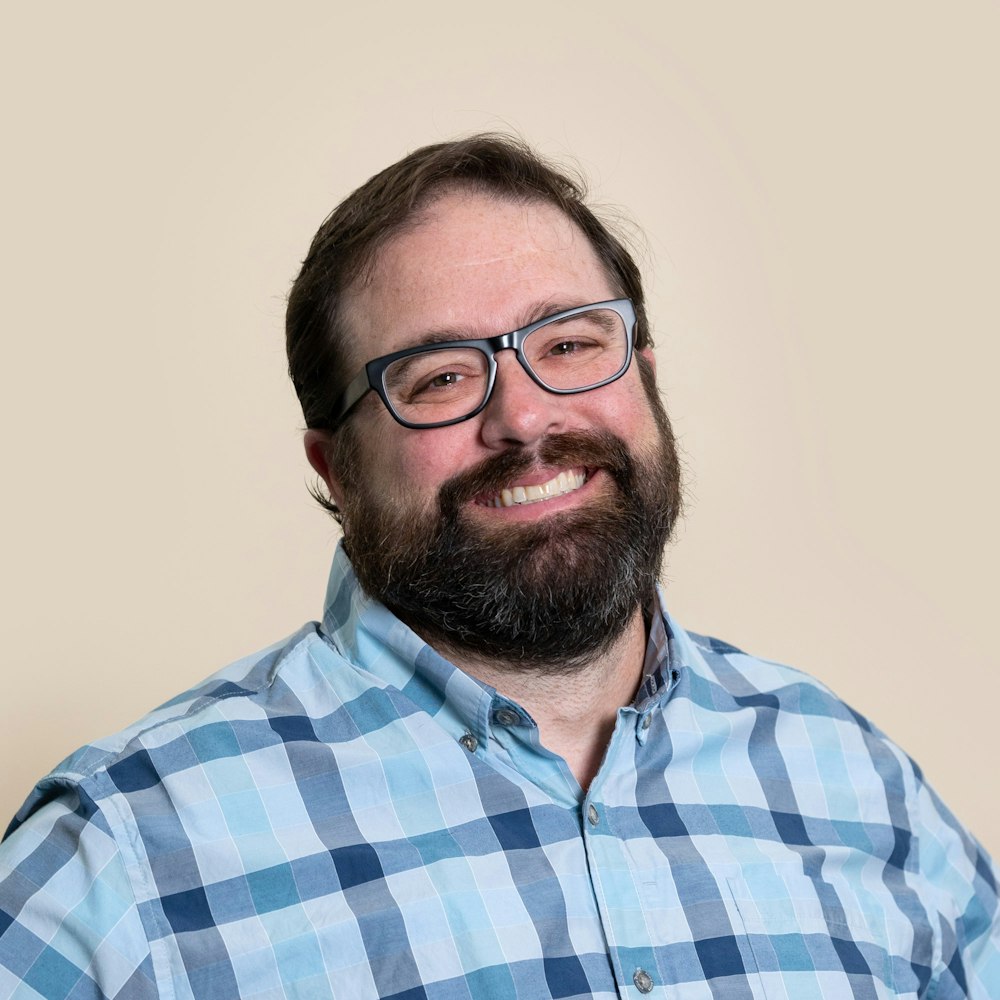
(346, 814)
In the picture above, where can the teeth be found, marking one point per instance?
(565, 482)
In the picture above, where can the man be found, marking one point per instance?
(497, 768)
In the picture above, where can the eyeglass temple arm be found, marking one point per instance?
(350, 397)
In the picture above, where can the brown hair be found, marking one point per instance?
(351, 236)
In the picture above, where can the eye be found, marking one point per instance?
(574, 348)
(432, 385)
(565, 347)
(439, 380)
(436, 377)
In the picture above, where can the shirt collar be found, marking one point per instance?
(659, 670)
(372, 638)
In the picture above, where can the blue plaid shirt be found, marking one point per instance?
(347, 814)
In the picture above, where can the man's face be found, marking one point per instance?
(476, 266)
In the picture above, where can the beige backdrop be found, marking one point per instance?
(818, 189)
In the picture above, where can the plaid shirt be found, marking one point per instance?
(347, 814)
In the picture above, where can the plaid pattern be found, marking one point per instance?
(346, 814)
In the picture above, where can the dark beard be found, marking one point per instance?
(552, 594)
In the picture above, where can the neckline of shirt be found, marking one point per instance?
(373, 639)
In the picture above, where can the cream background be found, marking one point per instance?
(817, 186)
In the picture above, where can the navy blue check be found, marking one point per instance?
(346, 814)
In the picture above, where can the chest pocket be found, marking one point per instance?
(807, 932)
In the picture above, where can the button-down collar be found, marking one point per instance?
(374, 639)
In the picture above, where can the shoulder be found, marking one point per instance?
(249, 689)
(830, 760)
(115, 829)
(743, 679)
(807, 737)
(736, 668)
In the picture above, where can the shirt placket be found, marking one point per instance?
(615, 883)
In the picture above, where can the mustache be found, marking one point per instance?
(590, 449)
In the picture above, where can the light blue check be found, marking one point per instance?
(347, 814)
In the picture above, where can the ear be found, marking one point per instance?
(318, 445)
(647, 353)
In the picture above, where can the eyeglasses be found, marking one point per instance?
(435, 385)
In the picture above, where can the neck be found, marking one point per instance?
(574, 720)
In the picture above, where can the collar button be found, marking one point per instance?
(643, 981)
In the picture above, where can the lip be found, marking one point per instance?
(533, 510)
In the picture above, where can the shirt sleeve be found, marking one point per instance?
(964, 881)
(69, 924)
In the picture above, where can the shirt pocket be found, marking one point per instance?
(812, 937)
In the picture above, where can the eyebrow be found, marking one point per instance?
(535, 312)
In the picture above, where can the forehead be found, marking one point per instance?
(472, 266)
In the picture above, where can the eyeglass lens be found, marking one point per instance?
(575, 352)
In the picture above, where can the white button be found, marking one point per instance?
(643, 981)
(592, 815)
(469, 742)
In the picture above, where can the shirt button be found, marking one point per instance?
(647, 721)
(469, 742)
(593, 815)
(505, 717)
(643, 981)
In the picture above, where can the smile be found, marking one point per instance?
(565, 482)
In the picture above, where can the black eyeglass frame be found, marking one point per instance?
(371, 377)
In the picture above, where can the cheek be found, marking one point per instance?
(631, 418)
(621, 407)
(437, 455)
(412, 465)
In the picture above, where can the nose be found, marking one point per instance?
(519, 412)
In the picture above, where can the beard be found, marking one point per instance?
(548, 595)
